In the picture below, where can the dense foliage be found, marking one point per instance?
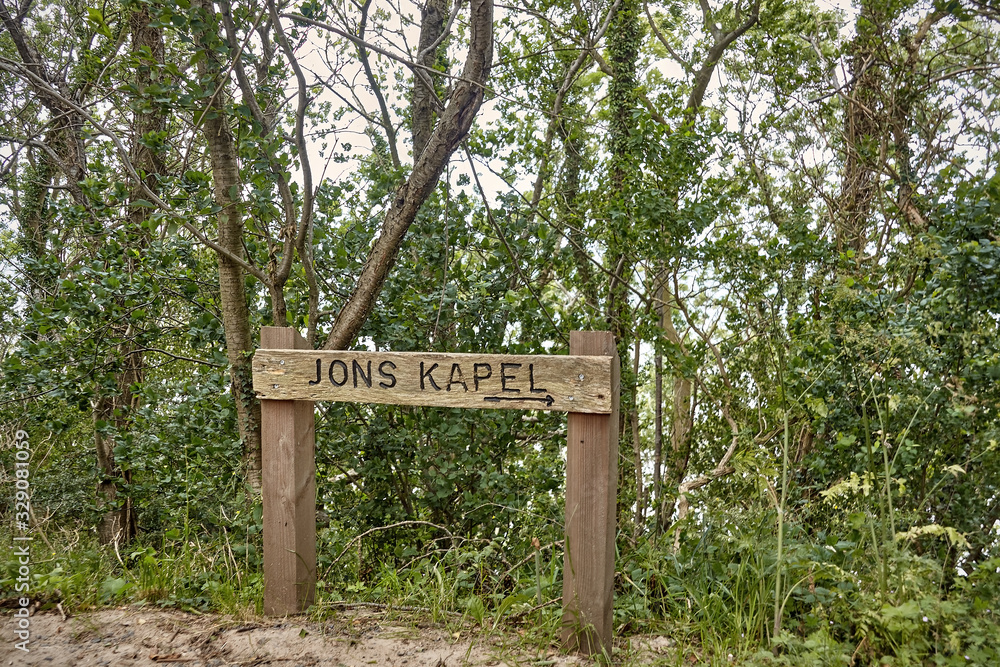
(785, 211)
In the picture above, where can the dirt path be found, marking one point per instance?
(142, 637)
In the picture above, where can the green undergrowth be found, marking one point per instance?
(191, 572)
(713, 597)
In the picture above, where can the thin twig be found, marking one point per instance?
(398, 524)
(528, 612)
(503, 239)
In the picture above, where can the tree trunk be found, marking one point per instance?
(225, 176)
(640, 499)
(432, 22)
(624, 37)
(34, 218)
(623, 51)
(451, 130)
(683, 395)
(682, 419)
(863, 130)
(656, 496)
(568, 209)
(119, 522)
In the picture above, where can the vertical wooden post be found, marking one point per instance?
(288, 459)
(591, 497)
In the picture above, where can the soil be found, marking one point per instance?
(144, 637)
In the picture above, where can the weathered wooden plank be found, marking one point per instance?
(524, 382)
(591, 496)
(288, 494)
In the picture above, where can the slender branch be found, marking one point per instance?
(177, 357)
(663, 40)
(261, 117)
(390, 131)
(568, 237)
(249, 97)
(123, 154)
(386, 607)
(444, 33)
(675, 297)
(555, 114)
(510, 253)
(379, 50)
(398, 524)
(35, 143)
(305, 221)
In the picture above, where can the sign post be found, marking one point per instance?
(591, 496)
(288, 377)
(288, 490)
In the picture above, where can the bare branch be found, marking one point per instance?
(305, 221)
(249, 97)
(555, 114)
(390, 131)
(398, 524)
(373, 48)
(663, 40)
(722, 42)
(451, 129)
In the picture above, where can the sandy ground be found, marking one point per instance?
(142, 637)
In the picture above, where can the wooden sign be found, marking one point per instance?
(522, 382)
(585, 384)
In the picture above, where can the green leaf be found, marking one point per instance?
(817, 406)
(97, 18)
(113, 587)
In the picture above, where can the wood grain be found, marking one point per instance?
(523, 382)
(591, 497)
(288, 459)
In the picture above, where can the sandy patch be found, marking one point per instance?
(143, 637)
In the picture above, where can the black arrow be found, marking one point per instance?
(548, 400)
